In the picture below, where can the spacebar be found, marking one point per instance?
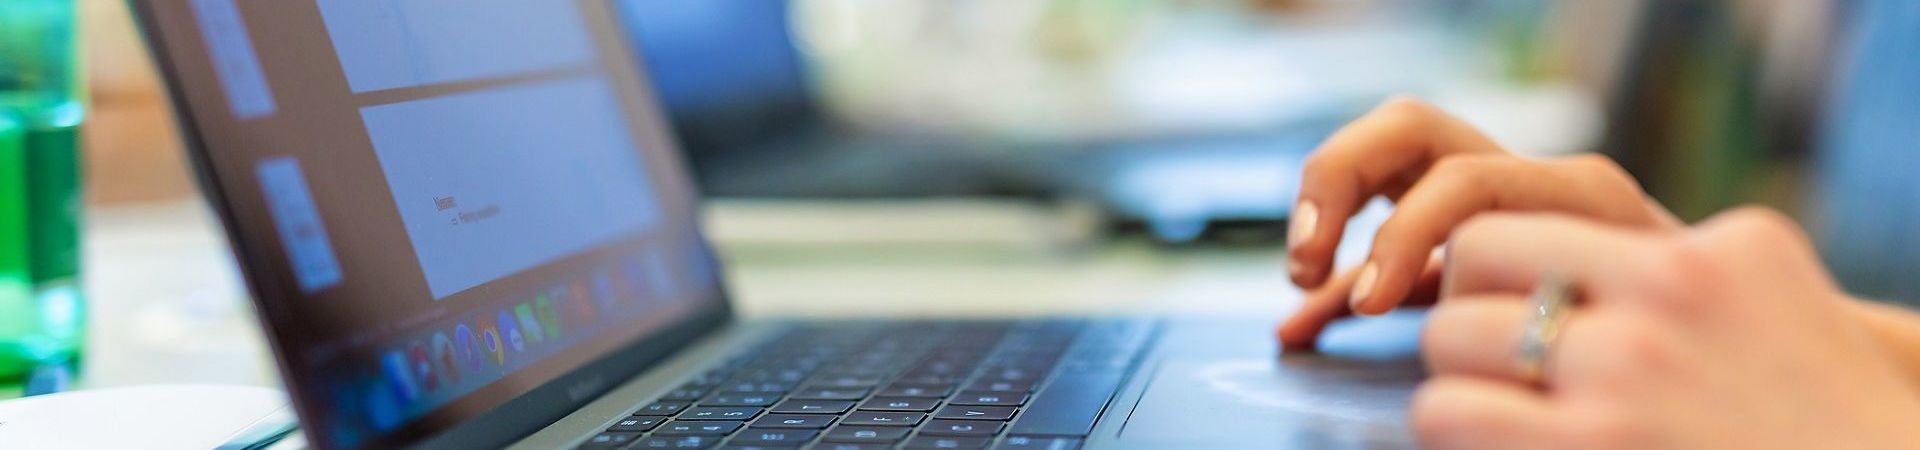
(1069, 405)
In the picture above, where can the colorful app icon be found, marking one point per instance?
(467, 347)
(603, 291)
(422, 365)
(383, 410)
(529, 325)
(580, 303)
(549, 317)
(510, 330)
(446, 357)
(399, 376)
(490, 340)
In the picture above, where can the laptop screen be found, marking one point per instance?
(442, 206)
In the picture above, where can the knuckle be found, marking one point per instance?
(1406, 111)
(1756, 224)
(1675, 271)
(1638, 345)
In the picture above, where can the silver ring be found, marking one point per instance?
(1549, 304)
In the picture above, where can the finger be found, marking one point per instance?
(1478, 337)
(1458, 188)
(1506, 254)
(1452, 412)
(1355, 164)
(1301, 331)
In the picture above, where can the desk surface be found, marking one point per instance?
(167, 306)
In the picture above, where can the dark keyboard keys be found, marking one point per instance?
(609, 440)
(701, 428)
(740, 400)
(1069, 406)
(865, 434)
(915, 391)
(893, 419)
(899, 404)
(962, 412)
(757, 447)
(719, 413)
(846, 446)
(813, 407)
(807, 421)
(677, 442)
(1001, 386)
(831, 394)
(1038, 443)
(989, 398)
(782, 437)
(684, 395)
(661, 409)
(948, 427)
(636, 424)
(946, 443)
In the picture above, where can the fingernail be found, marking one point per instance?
(1363, 285)
(1306, 216)
(1294, 268)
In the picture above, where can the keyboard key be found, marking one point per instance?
(719, 413)
(1038, 443)
(813, 421)
(757, 447)
(831, 394)
(948, 427)
(844, 446)
(865, 434)
(813, 407)
(636, 424)
(685, 394)
(946, 443)
(769, 387)
(1000, 386)
(1069, 406)
(989, 398)
(847, 382)
(896, 419)
(740, 400)
(913, 390)
(962, 412)
(609, 440)
(702, 428)
(661, 409)
(899, 404)
(755, 436)
(678, 442)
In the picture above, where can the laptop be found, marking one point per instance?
(465, 224)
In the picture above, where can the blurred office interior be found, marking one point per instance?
(852, 138)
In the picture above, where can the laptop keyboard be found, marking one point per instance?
(906, 385)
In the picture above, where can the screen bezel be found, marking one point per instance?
(512, 418)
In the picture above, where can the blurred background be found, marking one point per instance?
(995, 156)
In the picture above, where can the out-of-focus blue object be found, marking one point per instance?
(709, 56)
(1869, 188)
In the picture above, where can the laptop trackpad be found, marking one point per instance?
(1296, 401)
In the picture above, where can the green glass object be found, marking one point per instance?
(41, 109)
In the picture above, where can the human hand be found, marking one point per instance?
(1440, 172)
(1728, 335)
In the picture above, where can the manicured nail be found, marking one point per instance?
(1363, 285)
(1306, 216)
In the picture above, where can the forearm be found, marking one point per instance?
(1898, 331)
